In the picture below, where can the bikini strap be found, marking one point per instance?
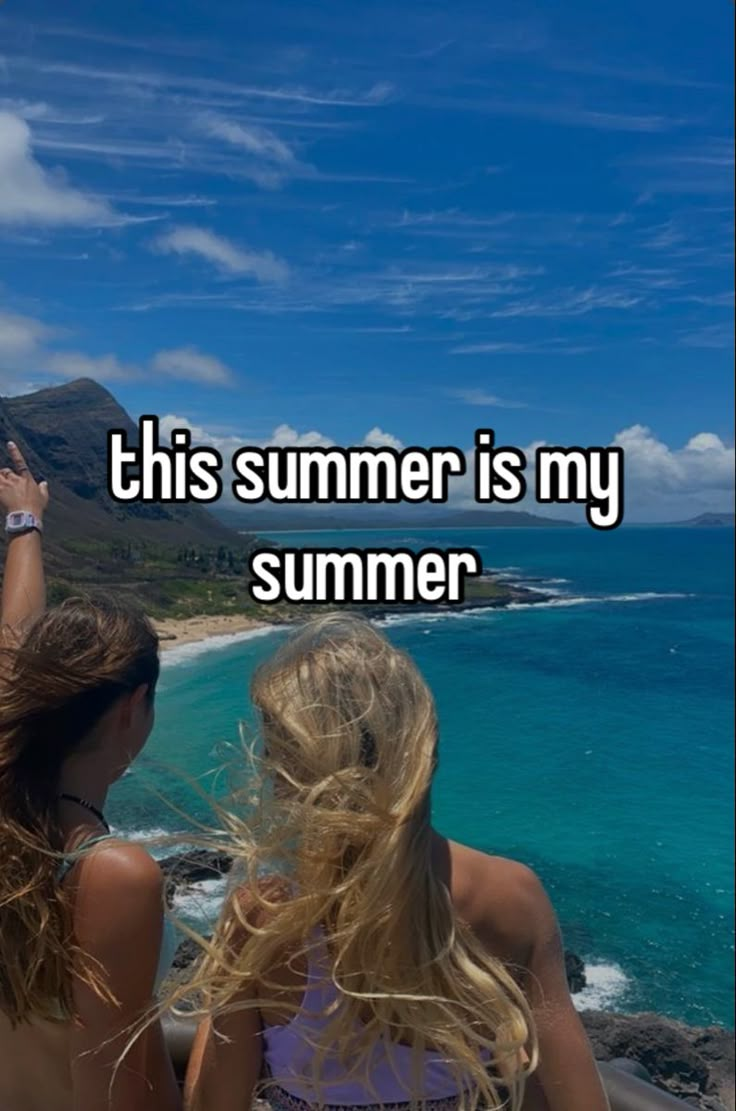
(70, 859)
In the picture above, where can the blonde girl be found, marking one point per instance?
(368, 960)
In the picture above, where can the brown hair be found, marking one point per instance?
(72, 665)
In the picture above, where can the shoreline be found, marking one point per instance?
(175, 631)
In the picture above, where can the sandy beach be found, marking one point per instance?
(186, 630)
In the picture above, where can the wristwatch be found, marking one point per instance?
(20, 520)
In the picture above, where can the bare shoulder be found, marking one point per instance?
(502, 900)
(117, 879)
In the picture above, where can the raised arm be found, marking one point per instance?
(24, 588)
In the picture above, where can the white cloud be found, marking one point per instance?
(29, 194)
(103, 368)
(21, 335)
(572, 303)
(513, 347)
(483, 398)
(661, 483)
(251, 137)
(653, 468)
(226, 444)
(378, 438)
(264, 266)
(286, 436)
(192, 365)
(269, 159)
(274, 158)
(24, 348)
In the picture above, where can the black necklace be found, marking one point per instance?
(87, 806)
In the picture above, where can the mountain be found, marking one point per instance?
(177, 560)
(294, 518)
(63, 433)
(708, 520)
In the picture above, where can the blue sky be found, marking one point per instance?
(296, 222)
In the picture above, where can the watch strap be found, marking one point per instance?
(22, 520)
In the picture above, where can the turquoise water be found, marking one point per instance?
(590, 738)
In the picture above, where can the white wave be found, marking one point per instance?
(584, 599)
(645, 595)
(533, 588)
(188, 653)
(606, 986)
(155, 833)
(199, 903)
(158, 841)
(428, 618)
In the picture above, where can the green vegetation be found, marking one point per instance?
(193, 580)
(170, 582)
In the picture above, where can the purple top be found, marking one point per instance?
(289, 1053)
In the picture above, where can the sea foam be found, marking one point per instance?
(606, 987)
(190, 652)
(199, 904)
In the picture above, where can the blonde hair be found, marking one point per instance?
(341, 813)
(72, 665)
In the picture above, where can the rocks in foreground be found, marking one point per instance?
(181, 870)
(696, 1064)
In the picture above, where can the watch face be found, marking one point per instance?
(16, 519)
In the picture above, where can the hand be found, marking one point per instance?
(19, 489)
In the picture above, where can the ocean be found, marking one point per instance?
(589, 736)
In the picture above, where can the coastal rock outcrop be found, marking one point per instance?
(694, 1063)
(181, 870)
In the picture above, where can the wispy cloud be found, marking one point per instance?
(481, 398)
(724, 300)
(572, 303)
(264, 266)
(185, 364)
(271, 160)
(512, 347)
(638, 75)
(560, 113)
(28, 345)
(21, 335)
(251, 137)
(719, 337)
(103, 368)
(191, 365)
(377, 94)
(704, 167)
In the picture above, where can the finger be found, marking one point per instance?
(43, 486)
(16, 457)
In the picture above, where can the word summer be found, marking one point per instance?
(366, 575)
